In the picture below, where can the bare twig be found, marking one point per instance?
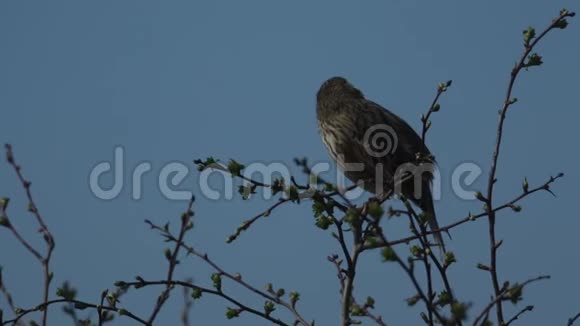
(523, 311)
(572, 320)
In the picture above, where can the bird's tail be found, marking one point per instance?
(426, 205)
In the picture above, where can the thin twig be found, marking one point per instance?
(572, 320)
(523, 311)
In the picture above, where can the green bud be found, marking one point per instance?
(534, 59)
(459, 311)
(479, 196)
(246, 191)
(356, 310)
(444, 298)
(370, 303)
(514, 294)
(525, 185)
(232, 313)
(167, 253)
(269, 307)
(416, 251)
(292, 193)
(217, 281)
(436, 107)
(413, 300)
(388, 254)
(5, 222)
(4, 201)
(277, 186)
(561, 23)
(375, 210)
(516, 208)
(449, 258)
(294, 297)
(529, 34)
(280, 293)
(196, 293)
(235, 168)
(483, 267)
(323, 222)
(352, 215)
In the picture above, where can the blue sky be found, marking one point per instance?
(182, 80)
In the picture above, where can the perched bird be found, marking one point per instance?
(375, 148)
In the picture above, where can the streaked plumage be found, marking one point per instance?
(347, 121)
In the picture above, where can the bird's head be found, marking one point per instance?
(336, 88)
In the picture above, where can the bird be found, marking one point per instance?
(376, 149)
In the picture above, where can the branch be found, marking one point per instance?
(186, 225)
(530, 41)
(48, 238)
(505, 294)
(510, 204)
(188, 285)
(235, 278)
(78, 305)
(572, 320)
